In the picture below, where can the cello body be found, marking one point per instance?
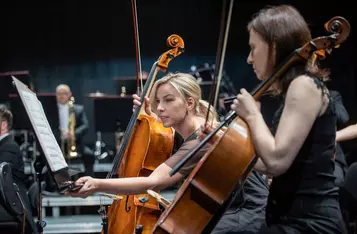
(209, 188)
(150, 145)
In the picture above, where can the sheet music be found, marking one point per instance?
(41, 126)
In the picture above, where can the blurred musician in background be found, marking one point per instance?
(347, 133)
(10, 153)
(80, 128)
(342, 118)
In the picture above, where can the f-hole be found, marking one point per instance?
(127, 209)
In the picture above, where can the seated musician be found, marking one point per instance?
(176, 100)
(10, 153)
(303, 197)
(178, 104)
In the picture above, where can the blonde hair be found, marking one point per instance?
(188, 87)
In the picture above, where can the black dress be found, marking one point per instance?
(305, 198)
(247, 213)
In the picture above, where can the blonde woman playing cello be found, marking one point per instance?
(176, 101)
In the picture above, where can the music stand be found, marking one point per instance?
(111, 112)
(55, 161)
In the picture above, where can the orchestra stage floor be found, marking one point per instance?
(73, 224)
(56, 223)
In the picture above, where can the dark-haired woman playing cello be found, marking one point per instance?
(299, 155)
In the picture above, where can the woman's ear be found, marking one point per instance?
(190, 103)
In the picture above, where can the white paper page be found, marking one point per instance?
(42, 128)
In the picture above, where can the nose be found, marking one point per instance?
(250, 58)
(159, 107)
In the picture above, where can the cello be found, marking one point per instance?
(145, 145)
(215, 181)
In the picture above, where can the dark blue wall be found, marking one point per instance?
(85, 78)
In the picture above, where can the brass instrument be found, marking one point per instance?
(71, 150)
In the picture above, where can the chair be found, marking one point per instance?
(11, 201)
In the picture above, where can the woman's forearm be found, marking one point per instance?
(264, 143)
(135, 185)
(260, 167)
(347, 133)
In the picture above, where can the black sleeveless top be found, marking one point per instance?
(311, 175)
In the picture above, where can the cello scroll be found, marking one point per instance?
(178, 47)
(338, 25)
(340, 29)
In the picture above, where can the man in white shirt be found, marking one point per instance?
(63, 95)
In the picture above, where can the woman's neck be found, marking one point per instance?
(189, 126)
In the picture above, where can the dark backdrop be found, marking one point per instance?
(87, 44)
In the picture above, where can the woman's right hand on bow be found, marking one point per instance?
(137, 103)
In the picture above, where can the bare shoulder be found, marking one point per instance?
(308, 91)
(305, 85)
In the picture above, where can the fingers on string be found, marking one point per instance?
(137, 103)
(135, 96)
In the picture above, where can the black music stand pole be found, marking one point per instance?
(39, 165)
